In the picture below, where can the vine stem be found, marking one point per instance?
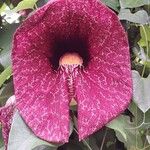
(84, 140)
(136, 129)
(143, 123)
(36, 7)
(145, 140)
(147, 51)
(142, 75)
(104, 137)
(145, 147)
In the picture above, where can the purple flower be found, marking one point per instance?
(6, 114)
(75, 49)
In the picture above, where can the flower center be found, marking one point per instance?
(70, 59)
(71, 50)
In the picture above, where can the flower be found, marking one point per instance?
(99, 78)
(6, 114)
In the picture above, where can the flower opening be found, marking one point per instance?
(101, 86)
(73, 46)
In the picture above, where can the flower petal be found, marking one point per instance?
(106, 83)
(42, 93)
(6, 114)
(42, 98)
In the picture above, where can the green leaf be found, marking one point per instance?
(114, 4)
(143, 41)
(5, 44)
(6, 92)
(147, 29)
(140, 17)
(148, 138)
(25, 4)
(109, 143)
(133, 3)
(137, 113)
(117, 125)
(22, 138)
(1, 139)
(7, 2)
(3, 7)
(1, 4)
(147, 117)
(44, 147)
(141, 94)
(5, 75)
(125, 132)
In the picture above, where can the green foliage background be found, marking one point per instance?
(131, 129)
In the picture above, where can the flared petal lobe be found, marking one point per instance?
(106, 83)
(6, 115)
(41, 93)
(102, 88)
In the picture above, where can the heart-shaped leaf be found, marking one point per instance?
(6, 34)
(133, 3)
(144, 38)
(141, 94)
(138, 17)
(117, 124)
(5, 75)
(114, 4)
(25, 4)
(22, 138)
(125, 132)
(2, 7)
(137, 113)
(6, 92)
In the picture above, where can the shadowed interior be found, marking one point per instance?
(69, 45)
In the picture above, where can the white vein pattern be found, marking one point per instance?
(102, 88)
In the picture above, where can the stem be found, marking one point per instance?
(136, 130)
(145, 139)
(103, 141)
(84, 141)
(144, 69)
(147, 49)
(139, 126)
(36, 7)
(146, 147)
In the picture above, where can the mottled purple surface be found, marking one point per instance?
(102, 87)
(6, 115)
